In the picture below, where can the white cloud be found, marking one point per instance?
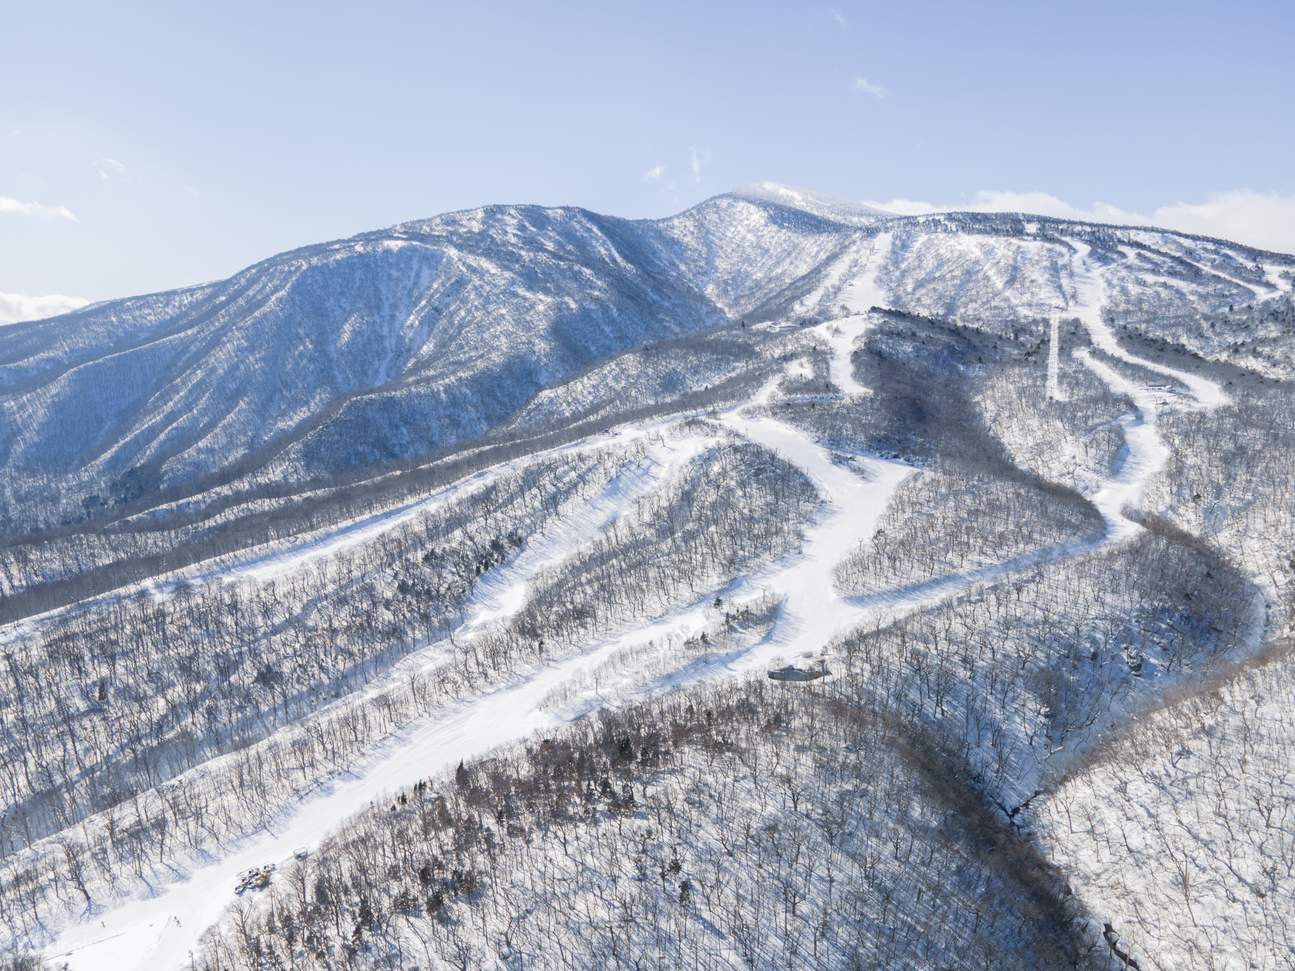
(1263, 219)
(870, 88)
(1046, 204)
(1007, 200)
(16, 307)
(653, 174)
(109, 168)
(696, 162)
(904, 207)
(1266, 220)
(840, 19)
(19, 208)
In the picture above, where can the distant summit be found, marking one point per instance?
(815, 203)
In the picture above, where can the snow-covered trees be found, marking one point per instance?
(754, 824)
(1008, 669)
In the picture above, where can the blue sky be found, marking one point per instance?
(146, 146)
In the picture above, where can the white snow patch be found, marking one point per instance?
(841, 336)
(1054, 361)
(864, 292)
(1090, 290)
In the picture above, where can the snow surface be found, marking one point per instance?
(393, 345)
(160, 931)
(1090, 290)
(843, 334)
(280, 559)
(1054, 361)
(860, 292)
(502, 593)
(817, 203)
(1146, 452)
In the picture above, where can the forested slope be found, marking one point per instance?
(778, 584)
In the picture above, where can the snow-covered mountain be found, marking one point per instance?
(400, 343)
(777, 584)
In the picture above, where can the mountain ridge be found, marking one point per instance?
(403, 341)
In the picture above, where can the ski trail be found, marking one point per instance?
(902, 600)
(1054, 362)
(1273, 275)
(858, 296)
(356, 532)
(1258, 292)
(813, 612)
(501, 593)
(1090, 297)
(161, 931)
(863, 292)
(270, 560)
(1145, 452)
(841, 335)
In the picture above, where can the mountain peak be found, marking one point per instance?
(816, 203)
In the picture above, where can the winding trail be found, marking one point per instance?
(1146, 452)
(159, 932)
(1090, 298)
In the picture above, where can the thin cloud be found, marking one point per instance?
(654, 174)
(109, 168)
(697, 161)
(1266, 220)
(17, 307)
(1005, 200)
(871, 88)
(17, 207)
(840, 19)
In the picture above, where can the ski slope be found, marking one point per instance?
(1054, 360)
(161, 930)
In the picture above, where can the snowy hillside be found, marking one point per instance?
(397, 345)
(779, 584)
